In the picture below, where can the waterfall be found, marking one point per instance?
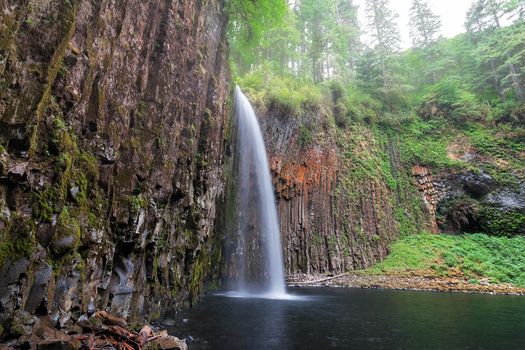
(259, 256)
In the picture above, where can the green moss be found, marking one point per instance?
(8, 28)
(68, 14)
(141, 109)
(501, 222)
(17, 240)
(195, 285)
(136, 203)
(201, 161)
(68, 226)
(44, 203)
(14, 250)
(305, 135)
(88, 163)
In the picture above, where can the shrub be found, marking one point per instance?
(286, 94)
(510, 112)
(502, 222)
(361, 106)
(305, 135)
(450, 99)
(461, 214)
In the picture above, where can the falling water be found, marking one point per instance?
(261, 263)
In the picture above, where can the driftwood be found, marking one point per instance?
(120, 338)
(320, 280)
(110, 320)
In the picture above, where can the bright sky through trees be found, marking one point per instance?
(452, 13)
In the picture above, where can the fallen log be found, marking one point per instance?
(320, 280)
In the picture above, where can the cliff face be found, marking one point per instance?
(112, 121)
(345, 192)
(342, 194)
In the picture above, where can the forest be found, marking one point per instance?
(475, 76)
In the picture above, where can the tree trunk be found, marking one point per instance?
(518, 88)
(497, 85)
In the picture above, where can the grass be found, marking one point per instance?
(476, 256)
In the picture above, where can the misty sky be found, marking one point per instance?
(452, 13)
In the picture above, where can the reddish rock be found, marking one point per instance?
(330, 221)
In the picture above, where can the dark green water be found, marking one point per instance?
(356, 319)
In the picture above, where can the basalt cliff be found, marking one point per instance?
(347, 190)
(338, 208)
(112, 126)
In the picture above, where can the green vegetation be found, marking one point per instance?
(502, 223)
(476, 256)
(17, 240)
(286, 54)
(305, 135)
(286, 94)
(136, 204)
(453, 105)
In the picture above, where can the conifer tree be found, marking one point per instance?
(516, 9)
(424, 24)
(484, 18)
(385, 36)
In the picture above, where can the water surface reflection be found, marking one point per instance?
(357, 319)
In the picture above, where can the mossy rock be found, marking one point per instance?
(17, 240)
(68, 233)
(502, 222)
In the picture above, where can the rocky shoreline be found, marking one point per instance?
(100, 331)
(414, 280)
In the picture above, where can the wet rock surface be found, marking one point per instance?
(508, 198)
(472, 201)
(100, 331)
(112, 128)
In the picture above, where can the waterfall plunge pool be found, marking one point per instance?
(346, 318)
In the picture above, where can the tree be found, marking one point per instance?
(424, 29)
(485, 17)
(249, 22)
(516, 9)
(485, 14)
(424, 24)
(385, 36)
(346, 42)
(315, 16)
(330, 37)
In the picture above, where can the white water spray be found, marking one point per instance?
(257, 199)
